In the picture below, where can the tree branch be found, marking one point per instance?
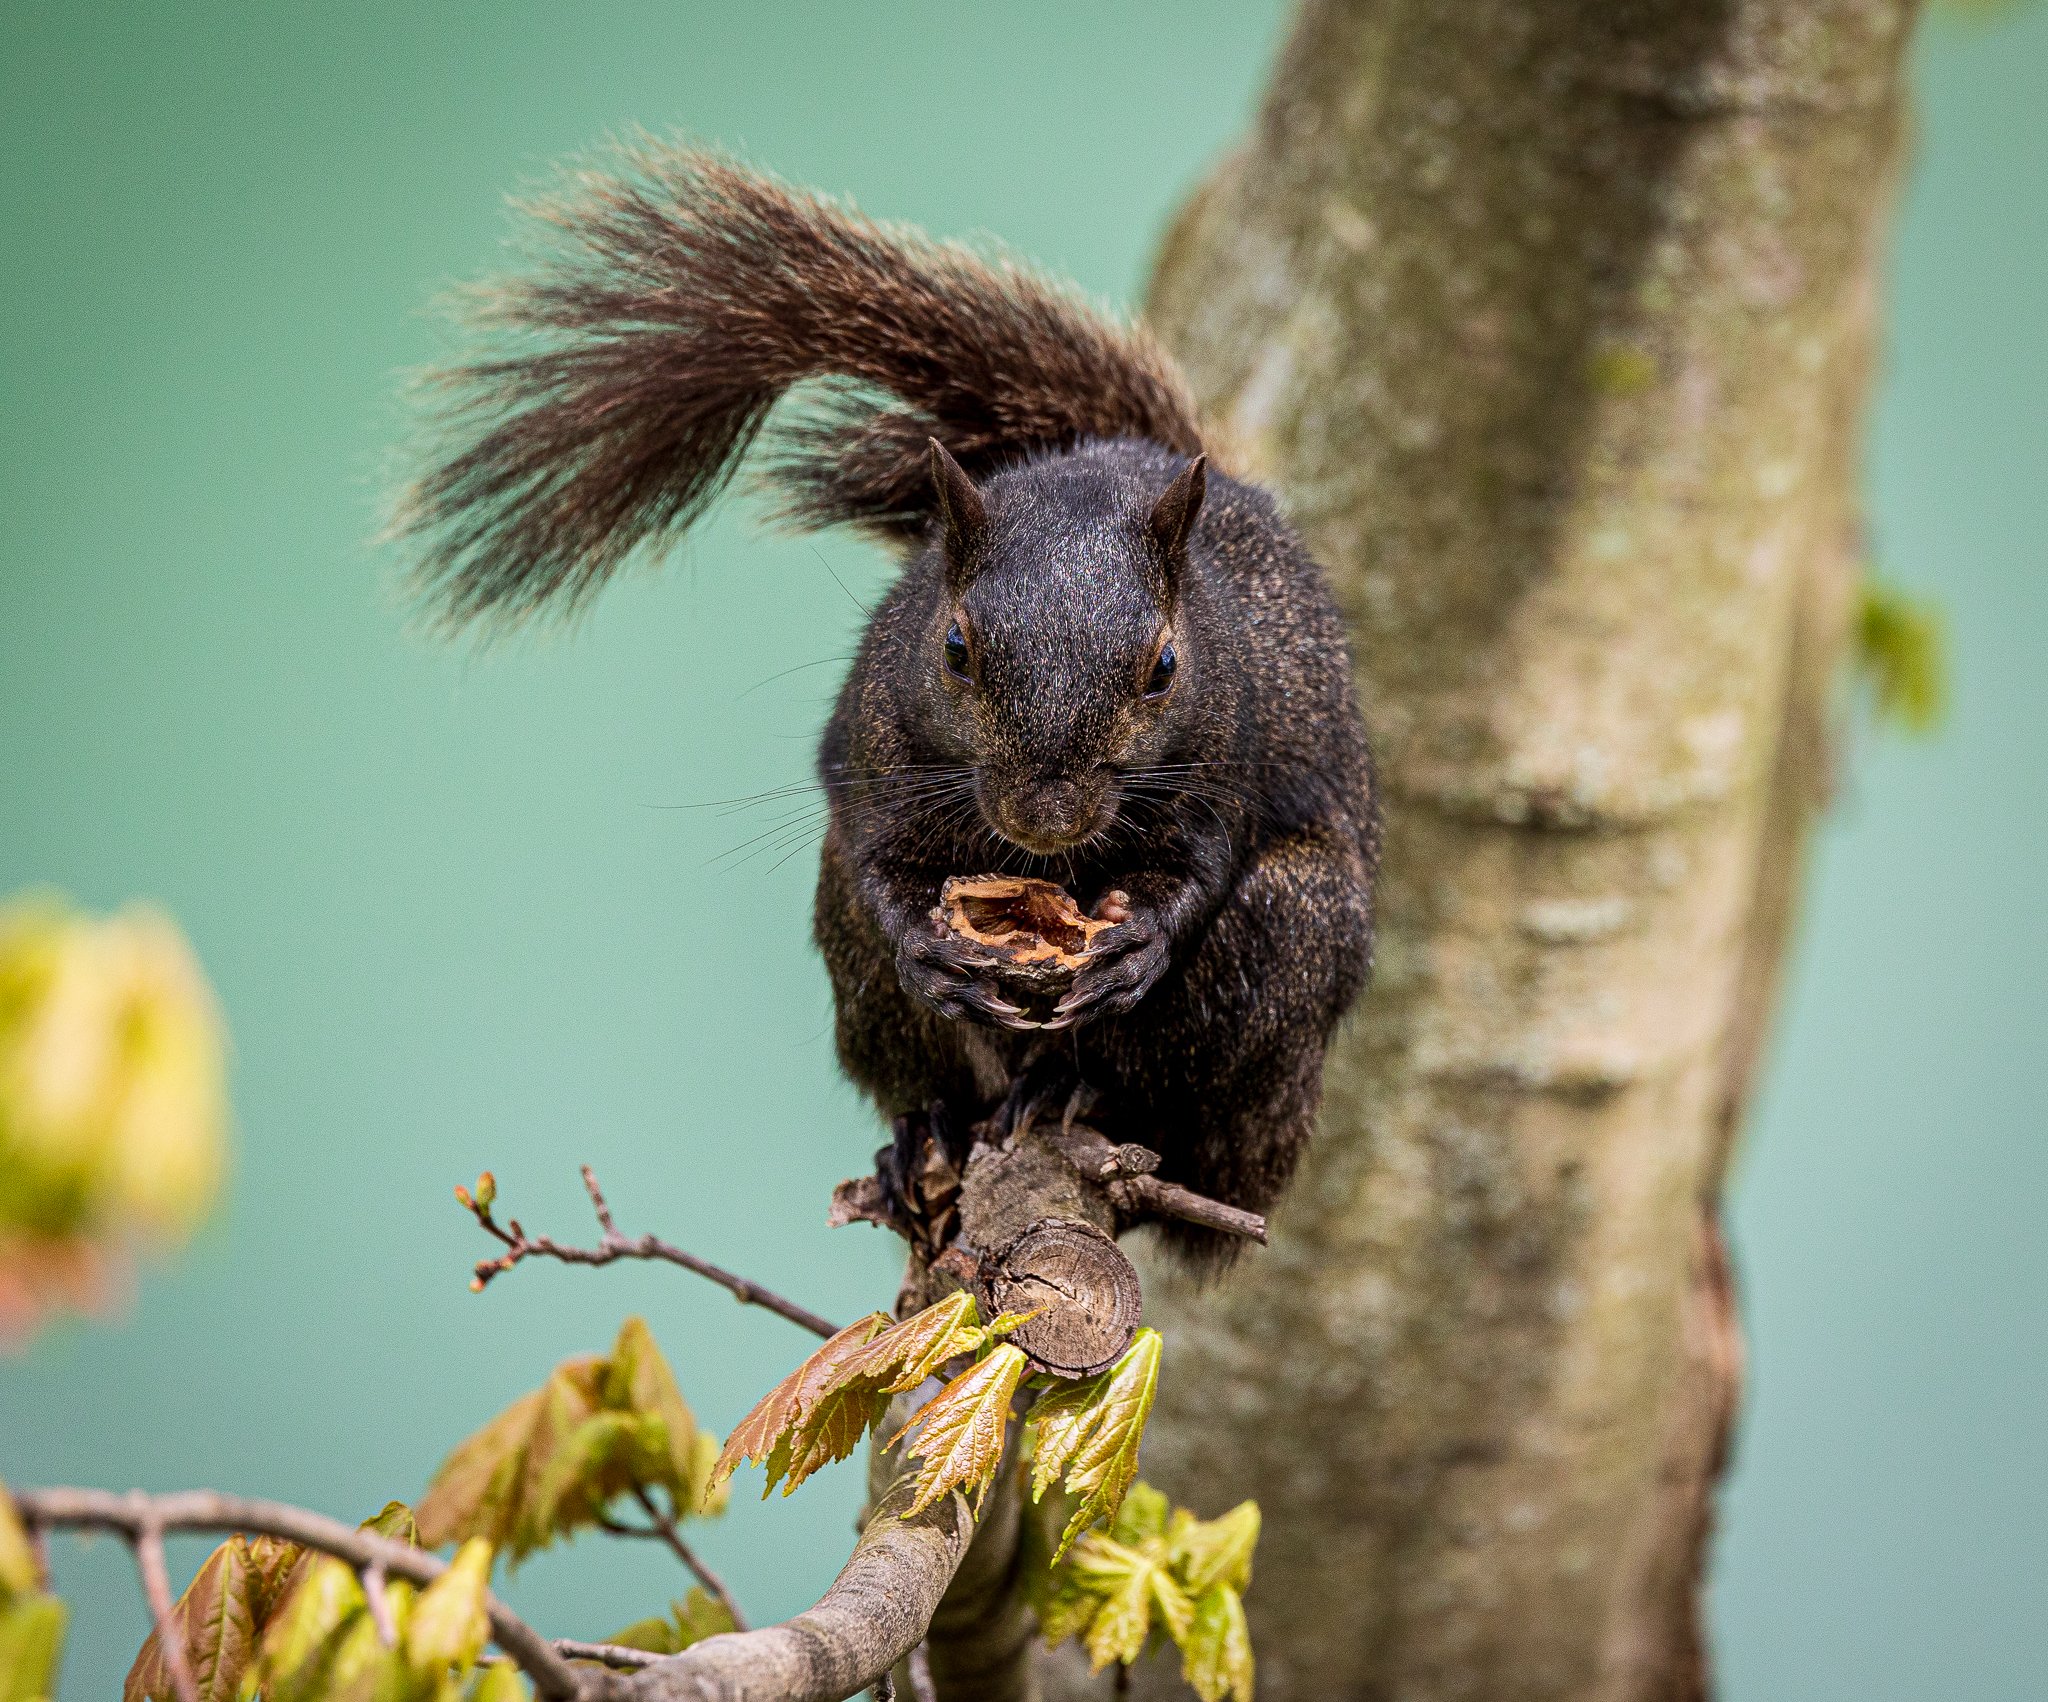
(875, 1613)
(611, 1654)
(664, 1530)
(881, 1607)
(147, 1541)
(1125, 1173)
(612, 1246)
(143, 1519)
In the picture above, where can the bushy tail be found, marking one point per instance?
(621, 382)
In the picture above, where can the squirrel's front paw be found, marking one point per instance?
(1121, 967)
(953, 976)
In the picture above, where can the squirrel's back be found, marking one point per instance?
(628, 373)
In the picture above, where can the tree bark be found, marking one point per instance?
(1552, 323)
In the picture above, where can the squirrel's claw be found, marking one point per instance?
(949, 975)
(1124, 963)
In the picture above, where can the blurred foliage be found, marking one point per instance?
(1902, 656)
(557, 1459)
(691, 1620)
(31, 1620)
(1157, 1574)
(113, 1101)
(266, 1617)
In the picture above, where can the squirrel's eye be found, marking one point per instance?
(1162, 671)
(957, 659)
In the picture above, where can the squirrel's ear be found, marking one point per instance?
(1173, 515)
(962, 514)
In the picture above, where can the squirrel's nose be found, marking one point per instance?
(1058, 805)
(1047, 815)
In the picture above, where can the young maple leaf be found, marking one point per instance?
(1206, 1552)
(216, 1623)
(820, 1412)
(1217, 1651)
(449, 1625)
(905, 1354)
(688, 1621)
(239, 1588)
(1124, 1620)
(486, 1487)
(19, 1573)
(769, 1433)
(960, 1430)
(31, 1643)
(1089, 1432)
(499, 1681)
(300, 1643)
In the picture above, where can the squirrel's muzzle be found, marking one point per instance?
(1048, 816)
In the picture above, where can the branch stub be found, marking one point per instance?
(1077, 1280)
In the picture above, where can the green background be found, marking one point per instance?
(457, 919)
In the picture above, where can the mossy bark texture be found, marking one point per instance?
(1551, 322)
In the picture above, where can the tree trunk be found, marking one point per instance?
(1553, 324)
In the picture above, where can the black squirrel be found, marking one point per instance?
(1105, 662)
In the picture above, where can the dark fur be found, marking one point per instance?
(1072, 535)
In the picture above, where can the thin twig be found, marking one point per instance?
(134, 1515)
(611, 1654)
(146, 1537)
(613, 1246)
(1125, 1174)
(665, 1527)
(1144, 1196)
(380, 1605)
(920, 1664)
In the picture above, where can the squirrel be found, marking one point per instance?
(1105, 662)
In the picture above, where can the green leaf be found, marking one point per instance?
(1066, 1609)
(1143, 1514)
(638, 1380)
(395, 1523)
(217, 1621)
(698, 1616)
(1090, 1432)
(476, 1490)
(449, 1624)
(708, 1492)
(301, 1642)
(1215, 1551)
(499, 1681)
(597, 1462)
(1176, 1612)
(960, 1430)
(1902, 652)
(655, 1635)
(554, 1460)
(1122, 1623)
(1104, 1564)
(31, 1640)
(362, 1668)
(488, 1487)
(1061, 1421)
(1217, 1653)
(19, 1575)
